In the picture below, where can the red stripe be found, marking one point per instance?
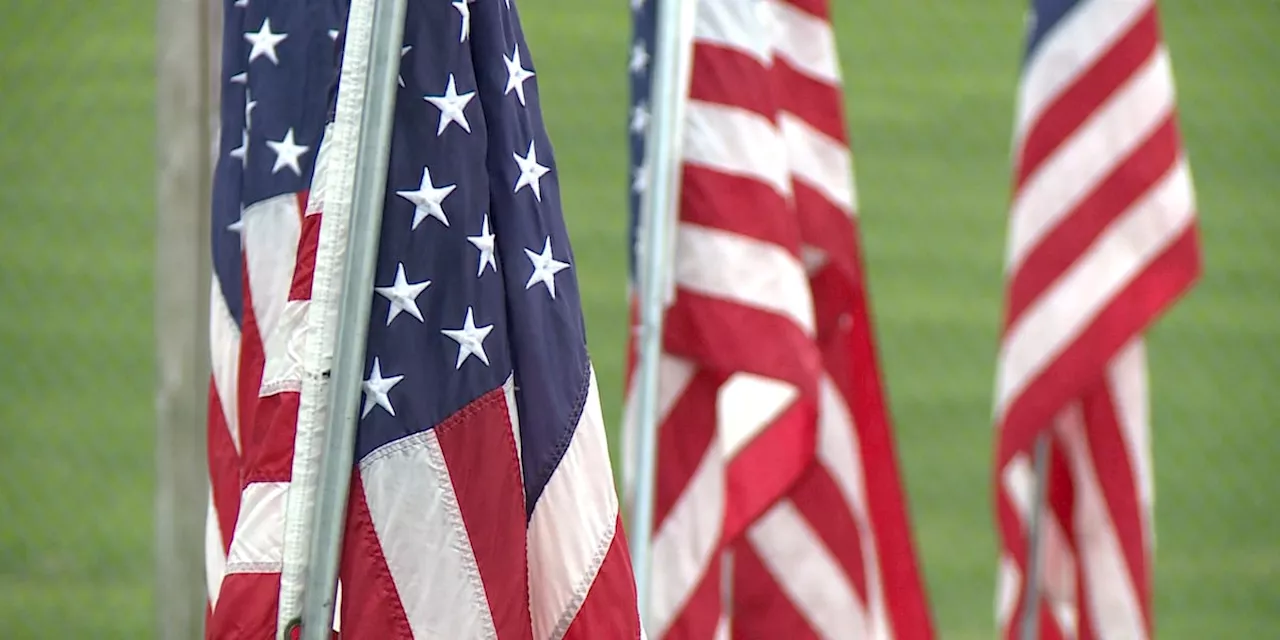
(1111, 461)
(1086, 95)
(814, 101)
(816, 8)
(818, 499)
(1110, 200)
(701, 613)
(1147, 295)
(247, 607)
(371, 608)
(683, 441)
(252, 358)
(732, 78)
(825, 226)
(848, 342)
(269, 455)
(608, 611)
(480, 452)
(713, 331)
(305, 270)
(765, 469)
(224, 468)
(761, 609)
(736, 204)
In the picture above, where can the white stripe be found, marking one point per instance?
(258, 542)
(737, 142)
(686, 541)
(840, 453)
(1058, 316)
(1112, 602)
(271, 230)
(224, 359)
(513, 415)
(1089, 155)
(215, 559)
(726, 23)
(747, 404)
(1127, 377)
(750, 272)
(820, 162)
(811, 577)
(806, 42)
(573, 525)
(429, 554)
(1008, 584)
(674, 375)
(1079, 38)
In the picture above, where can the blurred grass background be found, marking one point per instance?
(930, 88)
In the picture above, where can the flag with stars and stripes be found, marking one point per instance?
(278, 67)
(1102, 240)
(482, 501)
(779, 510)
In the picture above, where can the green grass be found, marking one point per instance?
(930, 87)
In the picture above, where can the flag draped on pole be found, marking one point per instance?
(1102, 240)
(278, 66)
(482, 503)
(774, 443)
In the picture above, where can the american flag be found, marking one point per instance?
(1102, 240)
(779, 512)
(482, 501)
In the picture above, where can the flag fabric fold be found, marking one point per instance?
(1102, 240)
(779, 511)
(482, 502)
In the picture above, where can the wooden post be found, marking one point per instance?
(187, 45)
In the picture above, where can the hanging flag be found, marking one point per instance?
(482, 502)
(277, 71)
(779, 510)
(1102, 240)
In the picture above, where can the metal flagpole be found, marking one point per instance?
(672, 61)
(375, 31)
(1035, 531)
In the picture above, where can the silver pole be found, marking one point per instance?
(380, 45)
(672, 60)
(1035, 531)
(186, 97)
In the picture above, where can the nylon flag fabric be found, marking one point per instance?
(1102, 240)
(278, 66)
(482, 502)
(779, 511)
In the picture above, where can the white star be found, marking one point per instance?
(241, 152)
(264, 42)
(403, 50)
(639, 118)
(530, 172)
(287, 153)
(639, 58)
(237, 226)
(242, 3)
(249, 105)
(636, 4)
(484, 242)
(545, 268)
(333, 34)
(451, 106)
(465, 13)
(470, 339)
(640, 183)
(427, 199)
(402, 295)
(240, 78)
(516, 74)
(376, 388)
